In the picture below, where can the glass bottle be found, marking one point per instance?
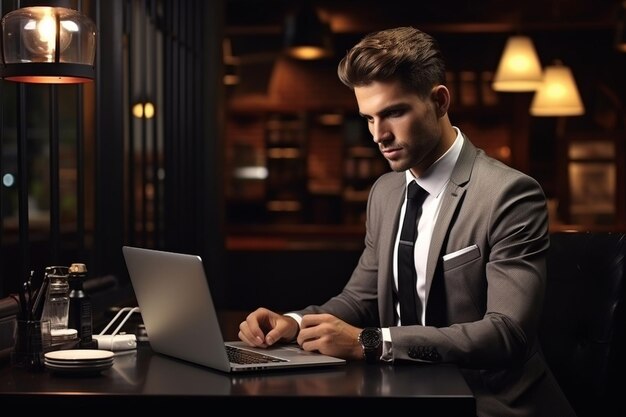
(80, 313)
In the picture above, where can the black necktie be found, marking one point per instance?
(407, 278)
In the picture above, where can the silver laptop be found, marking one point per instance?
(179, 314)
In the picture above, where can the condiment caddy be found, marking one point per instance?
(57, 317)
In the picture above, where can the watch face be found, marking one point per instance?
(370, 337)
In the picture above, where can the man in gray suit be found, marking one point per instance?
(480, 254)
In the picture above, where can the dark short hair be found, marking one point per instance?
(404, 53)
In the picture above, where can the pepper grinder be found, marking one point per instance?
(80, 312)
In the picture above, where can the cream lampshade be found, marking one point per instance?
(558, 94)
(519, 68)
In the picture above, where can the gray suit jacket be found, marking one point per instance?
(482, 305)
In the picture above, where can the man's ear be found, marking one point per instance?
(441, 97)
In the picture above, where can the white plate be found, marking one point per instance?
(83, 366)
(79, 354)
(77, 369)
(79, 363)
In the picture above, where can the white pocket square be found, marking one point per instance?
(459, 252)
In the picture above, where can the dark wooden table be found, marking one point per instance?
(144, 378)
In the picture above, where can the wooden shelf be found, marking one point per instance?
(255, 104)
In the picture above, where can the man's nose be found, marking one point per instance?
(380, 132)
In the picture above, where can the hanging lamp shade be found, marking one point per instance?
(47, 42)
(558, 94)
(519, 68)
(306, 35)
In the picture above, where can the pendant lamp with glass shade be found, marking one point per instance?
(47, 42)
(558, 94)
(519, 69)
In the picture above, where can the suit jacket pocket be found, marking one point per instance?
(460, 257)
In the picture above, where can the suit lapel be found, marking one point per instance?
(388, 231)
(453, 195)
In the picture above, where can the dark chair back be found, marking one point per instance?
(583, 324)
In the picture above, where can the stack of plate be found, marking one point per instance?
(79, 360)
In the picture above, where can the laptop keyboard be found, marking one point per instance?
(242, 356)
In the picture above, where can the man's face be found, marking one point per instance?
(404, 125)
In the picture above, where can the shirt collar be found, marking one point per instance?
(438, 174)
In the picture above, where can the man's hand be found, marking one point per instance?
(329, 335)
(263, 328)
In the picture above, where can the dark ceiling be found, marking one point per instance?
(255, 27)
(364, 15)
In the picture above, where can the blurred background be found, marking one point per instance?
(204, 132)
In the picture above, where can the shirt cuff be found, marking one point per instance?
(295, 316)
(298, 319)
(387, 355)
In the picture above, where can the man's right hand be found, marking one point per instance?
(263, 328)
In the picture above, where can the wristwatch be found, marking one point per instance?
(371, 339)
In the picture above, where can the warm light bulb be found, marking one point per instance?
(138, 110)
(148, 110)
(307, 52)
(141, 110)
(45, 31)
(40, 32)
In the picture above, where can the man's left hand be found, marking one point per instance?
(329, 335)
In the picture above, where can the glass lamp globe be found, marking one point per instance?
(44, 44)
